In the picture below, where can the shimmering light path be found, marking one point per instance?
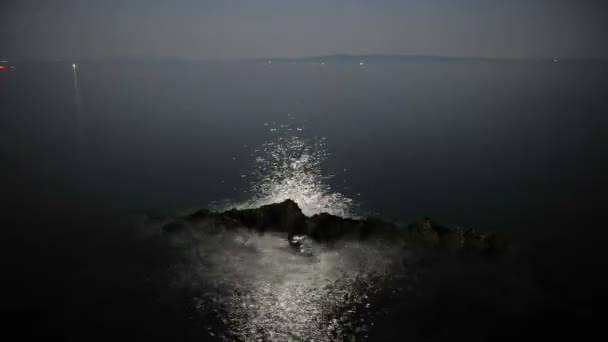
(77, 102)
(252, 287)
(289, 167)
(256, 288)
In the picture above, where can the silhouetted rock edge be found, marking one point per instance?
(287, 217)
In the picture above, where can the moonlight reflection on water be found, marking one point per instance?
(259, 288)
(289, 167)
(256, 287)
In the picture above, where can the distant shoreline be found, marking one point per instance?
(334, 59)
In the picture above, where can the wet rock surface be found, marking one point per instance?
(286, 217)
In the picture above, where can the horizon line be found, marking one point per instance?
(304, 58)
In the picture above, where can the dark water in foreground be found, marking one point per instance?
(513, 147)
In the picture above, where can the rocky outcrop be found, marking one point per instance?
(455, 239)
(286, 217)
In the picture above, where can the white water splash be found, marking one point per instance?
(289, 167)
(253, 287)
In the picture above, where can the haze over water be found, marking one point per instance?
(516, 147)
(485, 144)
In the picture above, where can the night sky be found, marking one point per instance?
(211, 29)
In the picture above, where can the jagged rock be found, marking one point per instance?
(174, 228)
(287, 217)
(326, 227)
(453, 241)
(200, 215)
(426, 231)
(486, 242)
(284, 217)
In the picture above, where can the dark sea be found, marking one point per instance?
(87, 148)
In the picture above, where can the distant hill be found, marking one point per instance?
(354, 58)
(334, 58)
(396, 58)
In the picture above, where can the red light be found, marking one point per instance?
(2, 67)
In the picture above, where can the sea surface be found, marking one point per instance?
(517, 147)
(488, 144)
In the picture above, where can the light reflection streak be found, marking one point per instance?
(290, 167)
(258, 288)
(262, 290)
(77, 101)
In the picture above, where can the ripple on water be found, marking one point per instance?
(289, 167)
(257, 287)
(260, 288)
